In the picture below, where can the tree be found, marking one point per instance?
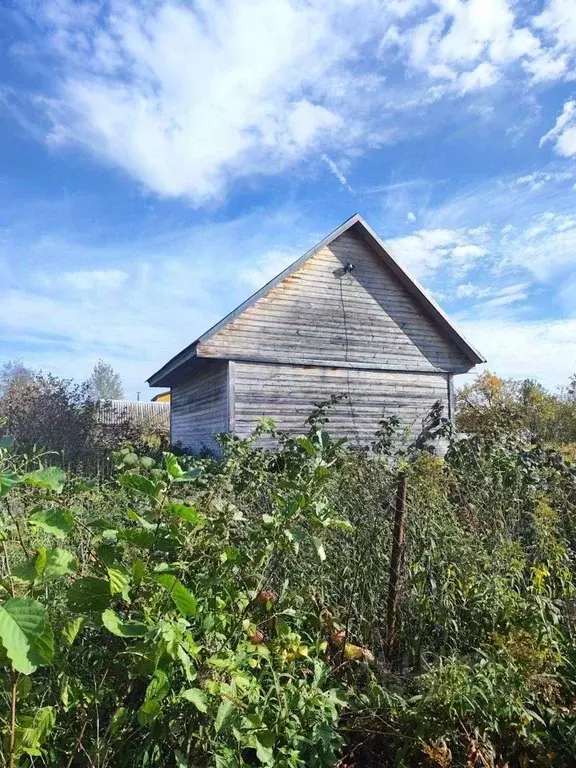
(13, 373)
(105, 383)
(571, 389)
(490, 404)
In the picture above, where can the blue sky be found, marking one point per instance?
(159, 161)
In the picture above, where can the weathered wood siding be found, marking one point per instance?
(323, 316)
(199, 406)
(287, 394)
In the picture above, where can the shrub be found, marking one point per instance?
(196, 611)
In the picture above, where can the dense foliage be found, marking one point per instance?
(67, 422)
(232, 612)
(491, 404)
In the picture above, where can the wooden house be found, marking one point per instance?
(345, 318)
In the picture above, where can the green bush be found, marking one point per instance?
(232, 612)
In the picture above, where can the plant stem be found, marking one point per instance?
(8, 571)
(18, 531)
(14, 696)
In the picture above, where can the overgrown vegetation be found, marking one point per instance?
(232, 612)
(68, 420)
(491, 404)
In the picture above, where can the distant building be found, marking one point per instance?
(162, 397)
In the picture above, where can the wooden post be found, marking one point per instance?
(396, 565)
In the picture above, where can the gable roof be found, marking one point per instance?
(360, 227)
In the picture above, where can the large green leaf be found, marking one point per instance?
(264, 742)
(72, 628)
(225, 712)
(22, 627)
(188, 514)
(52, 478)
(7, 481)
(138, 483)
(58, 522)
(35, 736)
(137, 536)
(172, 466)
(59, 562)
(184, 601)
(197, 697)
(25, 571)
(149, 711)
(117, 626)
(89, 594)
(159, 686)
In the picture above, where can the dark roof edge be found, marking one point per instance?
(158, 379)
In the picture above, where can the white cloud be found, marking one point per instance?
(536, 180)
(410, 217)
(546, 247)
(337, 172)
(427, 251)
(470, 291)
(266, 267)
(488, 297)
(188, 98)
(558, 19)
(95, 280)
(468, 252)
(563, 134)
(510, 294)
(546, 66)
(544, 350)
(484, 75)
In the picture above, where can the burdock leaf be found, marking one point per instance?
(22, 624)
(52, 478)
(89, 594)
(58, 522)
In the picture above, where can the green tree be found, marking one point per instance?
(491, 404)
(105, 383)
(13, 373)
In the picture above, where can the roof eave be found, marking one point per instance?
(162, 377)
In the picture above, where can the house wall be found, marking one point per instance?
(287, 394)
(199, 406)
(320, 315)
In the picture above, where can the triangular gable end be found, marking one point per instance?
(314, 312)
